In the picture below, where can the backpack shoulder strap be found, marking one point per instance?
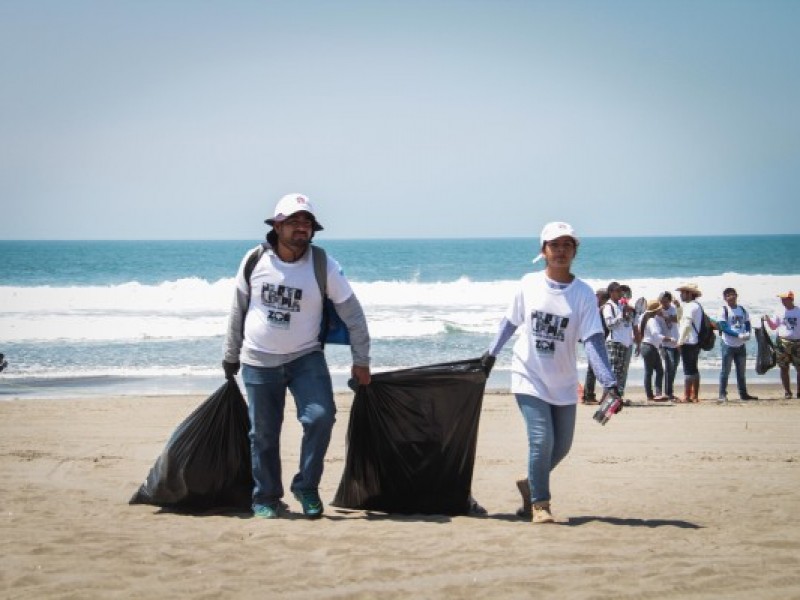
(320, 269)
(702, 317)
(252, 261)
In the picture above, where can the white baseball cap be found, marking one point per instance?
(291, 204)
(553, 231)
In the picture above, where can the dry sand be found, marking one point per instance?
(686, 501)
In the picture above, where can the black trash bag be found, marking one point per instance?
(412, 439)
(206, 462)
(766, 357)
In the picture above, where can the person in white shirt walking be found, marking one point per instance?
(274, 332)
(555, 310)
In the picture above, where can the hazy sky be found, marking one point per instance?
(189, 119)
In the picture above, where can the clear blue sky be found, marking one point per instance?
(188, 119)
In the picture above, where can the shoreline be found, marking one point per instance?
(63, 388)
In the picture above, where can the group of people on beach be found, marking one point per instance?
(277, 346)
(666, 334)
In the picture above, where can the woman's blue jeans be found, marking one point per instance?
(652, 362)
(550, 432)
(309, 381)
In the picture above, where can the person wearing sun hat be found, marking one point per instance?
(788, 346)
(653, 336)
(273, 329)
(688, 341)
(554, 310)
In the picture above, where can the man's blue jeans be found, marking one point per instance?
(550, 432)
(738, 356)
(309, 381)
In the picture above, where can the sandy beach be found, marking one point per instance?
(684, 501)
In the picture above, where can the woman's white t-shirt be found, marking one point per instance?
(544, 362)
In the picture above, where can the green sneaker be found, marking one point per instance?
(270, 510)
(311, 502)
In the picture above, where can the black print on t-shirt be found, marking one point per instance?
(282, 301)
(792, 323)
(547, 329)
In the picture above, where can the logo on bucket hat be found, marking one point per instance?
(291, 204)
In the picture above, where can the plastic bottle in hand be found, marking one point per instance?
(610, 406)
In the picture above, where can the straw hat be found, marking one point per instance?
(691, 288)
(653, 306)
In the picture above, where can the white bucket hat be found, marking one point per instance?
(291, 204)
(553, 231)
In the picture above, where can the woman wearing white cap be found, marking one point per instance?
(557, 311)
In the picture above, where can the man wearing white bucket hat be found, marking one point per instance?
(274, 329)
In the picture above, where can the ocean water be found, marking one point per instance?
(148, 317)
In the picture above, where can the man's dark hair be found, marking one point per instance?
(612, 287)
(727, 291)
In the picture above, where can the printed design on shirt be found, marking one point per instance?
(736, 322)
(547, 329)
(791, 324)
(281, 301)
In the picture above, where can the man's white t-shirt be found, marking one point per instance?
(285, 312)
(736, 318)
(789, 324)
(544, 362)
(622, 329)
(671, 329)
(691, 318)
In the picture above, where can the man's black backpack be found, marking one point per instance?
(705, 335)
(333, 329)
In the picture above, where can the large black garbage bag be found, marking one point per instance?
(206, 462)
(411, 440)
(765, 354)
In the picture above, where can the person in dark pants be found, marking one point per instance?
(689, 342)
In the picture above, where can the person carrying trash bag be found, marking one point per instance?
(275, 331)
